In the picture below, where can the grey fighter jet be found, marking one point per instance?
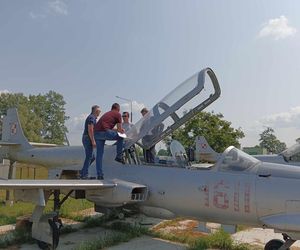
(238, 189)
(288, 156)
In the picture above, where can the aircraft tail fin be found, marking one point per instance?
(12, 132)
(206, 153)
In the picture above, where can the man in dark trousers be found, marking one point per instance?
(104, 130)
(149, 154)
(88, 140)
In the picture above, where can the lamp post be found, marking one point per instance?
(128, 100)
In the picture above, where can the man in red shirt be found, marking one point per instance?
(104, 130)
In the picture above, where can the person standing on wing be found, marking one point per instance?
(104, 130)
(88, 140)
(149, 154)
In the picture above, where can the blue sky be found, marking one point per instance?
(91, 51)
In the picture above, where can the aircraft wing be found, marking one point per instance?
(111, 193)
(43, 145)
(6, 143)
(55, 184)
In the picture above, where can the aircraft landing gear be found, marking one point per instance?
(46, 227)
(279, 244)
(55, 225)
(47, 232)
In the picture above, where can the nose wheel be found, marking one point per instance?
(276, 244)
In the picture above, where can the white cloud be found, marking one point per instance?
(58, 7)
(5, 91)
(75, 124)
(36, 15)
(278, 28)
(288, 119)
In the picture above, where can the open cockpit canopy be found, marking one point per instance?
(234, 160)
(180, 105)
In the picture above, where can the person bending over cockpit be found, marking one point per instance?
(104, 131)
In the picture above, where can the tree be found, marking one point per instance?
(217, 131)
(269, 141)
(50, 108)
(29, 120)
(42, 117)
(163, 152)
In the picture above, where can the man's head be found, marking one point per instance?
(96, 110)
(125, 117)
(144, 111)
(116, 106)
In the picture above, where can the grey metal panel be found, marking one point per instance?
(55, 184)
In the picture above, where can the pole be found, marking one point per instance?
(131, 111)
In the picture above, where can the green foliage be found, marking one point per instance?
(163, 152)
(213, 127)
(50, 108)
(132, 230)
(106, 241)
(42, 116)
(68, 229)
(220, 240)
(269, 141)
(5, 220)
(97, 221)
(15, 237)
(125, 232)
(10, 213)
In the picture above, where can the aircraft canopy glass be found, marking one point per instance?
(237, 160)
(175, 109)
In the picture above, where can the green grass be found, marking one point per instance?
(15, 237)
(123, 232)
(70, 208)
(9, 213)
(132, 230)
(5, 220)
(220, 240)
(68, 229)
(106, 241)
(90, 222)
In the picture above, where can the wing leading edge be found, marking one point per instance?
(56, 184)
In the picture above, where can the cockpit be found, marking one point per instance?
(179, 106)
(235, 160)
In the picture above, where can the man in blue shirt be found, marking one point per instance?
(88, 140)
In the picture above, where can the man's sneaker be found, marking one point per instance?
(84, 177)
(100, 177)
(121, 160)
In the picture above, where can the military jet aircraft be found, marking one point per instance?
(288, 156)
(238, 189)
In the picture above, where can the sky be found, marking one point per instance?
(92, 51)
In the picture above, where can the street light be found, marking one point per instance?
(128, 100)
